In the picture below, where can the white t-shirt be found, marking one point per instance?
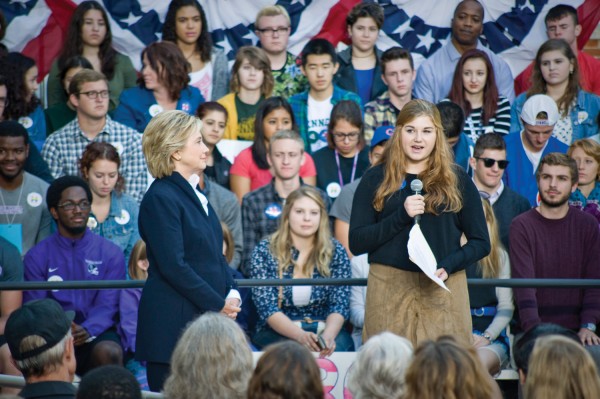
(202, 80)
(319, 113)
(534, 157)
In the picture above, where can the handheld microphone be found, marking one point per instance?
(416, 186)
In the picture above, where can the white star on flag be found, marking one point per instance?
(131, 19)
(403, 29)
(426, 41)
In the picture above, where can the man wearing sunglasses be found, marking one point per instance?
(525, 149)
(488, 164)
(73, 252)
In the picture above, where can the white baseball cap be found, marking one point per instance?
(540, 103)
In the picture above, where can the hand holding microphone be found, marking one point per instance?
(415, 204)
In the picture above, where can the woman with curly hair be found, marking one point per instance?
(302, 247)
(163, 85)
(186, 26)
(22, 104)
(114, 214)
(401, 298)
(89, 36)
(556, 74)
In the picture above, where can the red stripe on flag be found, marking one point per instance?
(589, 17)
(46, 47)
(334, 27)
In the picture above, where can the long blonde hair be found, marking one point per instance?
(443, 194)
(490, 265)
(281, 240)
(560, 368)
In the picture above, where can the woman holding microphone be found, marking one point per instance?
(400, 297)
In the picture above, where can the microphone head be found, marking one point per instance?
(416, 185)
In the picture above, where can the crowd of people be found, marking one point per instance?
(342, 160)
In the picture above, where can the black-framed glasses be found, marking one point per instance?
(489, 162)
(70, 206)
(343, 136)
(92, 95)
(272, 31)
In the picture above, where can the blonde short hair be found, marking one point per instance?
(167, 133)
(272, 11)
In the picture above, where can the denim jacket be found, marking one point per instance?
(584, 115)
(121, 225)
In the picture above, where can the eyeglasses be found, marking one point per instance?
(272, 31)
(340, 137)
(70, 206)
(92, 95)
(489, 162)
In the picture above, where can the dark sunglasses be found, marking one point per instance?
(489, 162)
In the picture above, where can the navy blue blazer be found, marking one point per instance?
(188, 274)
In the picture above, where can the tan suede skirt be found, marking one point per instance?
(409, 304)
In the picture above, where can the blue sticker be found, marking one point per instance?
(273, 210)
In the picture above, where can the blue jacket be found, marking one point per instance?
(35, 123)
(519, 174)
(121, 224)
(188, 274)
(93, 258)
(463, 150)
(137, 106)
(584, 115)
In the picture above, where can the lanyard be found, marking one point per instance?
(337, 161)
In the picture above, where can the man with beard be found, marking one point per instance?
(75, 253)
(24, 220)
(555, 240)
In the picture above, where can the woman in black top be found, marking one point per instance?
(400, 297)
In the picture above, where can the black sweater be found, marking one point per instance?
(384, 235)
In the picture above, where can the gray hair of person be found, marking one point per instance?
(380, 366)
(166, 134)
(286, 134)
(212, 359)
(44, 363)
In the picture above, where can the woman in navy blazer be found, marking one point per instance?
(188, 274)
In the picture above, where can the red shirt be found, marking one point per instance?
(589, 72)
(245, 166)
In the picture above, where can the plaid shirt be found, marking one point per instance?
(299, 103)
(261, 211)
(379, 112)
(64, 148)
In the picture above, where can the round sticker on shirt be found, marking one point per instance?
(273, 210)
(55, 278)
(185, 107)
(26, 122)
(333, 190)
(582, 116)
(155, 110)
(118, 146)
(34, 199)
(124, 218)
(538, 199)
(92, 223)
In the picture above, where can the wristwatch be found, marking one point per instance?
(589, 326)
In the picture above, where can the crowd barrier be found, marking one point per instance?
(334, 369)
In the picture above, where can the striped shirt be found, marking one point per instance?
(499, 123)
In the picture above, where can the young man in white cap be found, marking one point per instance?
(526, 149)
(41, 345)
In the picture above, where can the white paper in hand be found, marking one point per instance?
(420, 253)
